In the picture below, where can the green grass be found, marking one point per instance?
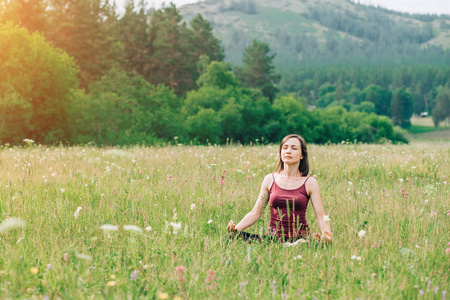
(423, 129)
(398, 194)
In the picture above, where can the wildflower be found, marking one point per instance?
(162, 295)
(447, 250)
(62, 190)
(11, 223)
(273, 286)
(211, 276)
(77, 212)
(192, 206)
(249, 177)
(83, 256)
(350, 183)
(134, 275)
(421, 293)
(66, 256)
(148, 228)
(132, 228)
(362, 233)
(34, 270)
(356, 257)
(111, 283)
(109, 227)
(175, 226)
(28, 141)
(220, 202)
(297, 257)
(180, 268)
(326, 219)
(210, 221)
(49, 267)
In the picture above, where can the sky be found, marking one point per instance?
(410, 6)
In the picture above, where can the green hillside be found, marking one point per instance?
(323, 32)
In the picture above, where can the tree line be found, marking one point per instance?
(147, 77)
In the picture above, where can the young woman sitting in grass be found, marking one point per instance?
(288, 192)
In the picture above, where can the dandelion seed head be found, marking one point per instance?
(11, 223)
(132, 228)
(109, 227)
(175, 226)
(83, 256)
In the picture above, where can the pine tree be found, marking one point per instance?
(86, 30)
(401, 108)
(258, 71)
(134, 33)
(204, 41)
(172, 61)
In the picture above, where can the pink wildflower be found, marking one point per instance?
(211, 276)
(180, 268)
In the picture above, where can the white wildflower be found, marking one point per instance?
(132, 228)
(148, 228)
(210, 221)
(297, 257)
(326, 219)
(193, 206)
(109, 227)
(83, 256)
(356, 257)
(11, 223)
(77, 212)
(62, 190)
(176, 227)
(362, 233)
(28, 141)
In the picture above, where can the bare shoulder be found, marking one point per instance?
(267, 182)
(312, 185)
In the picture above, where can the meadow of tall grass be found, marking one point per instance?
(137, 222)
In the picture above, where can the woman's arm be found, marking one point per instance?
(256, 212)
(314, 194)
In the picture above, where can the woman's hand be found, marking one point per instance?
(231, 227)
(325, 238)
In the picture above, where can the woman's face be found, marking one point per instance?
(291, 152)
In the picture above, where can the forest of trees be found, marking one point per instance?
(77, 72)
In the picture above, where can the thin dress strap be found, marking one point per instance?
(306, 180)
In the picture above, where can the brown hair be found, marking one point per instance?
(304, 163)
